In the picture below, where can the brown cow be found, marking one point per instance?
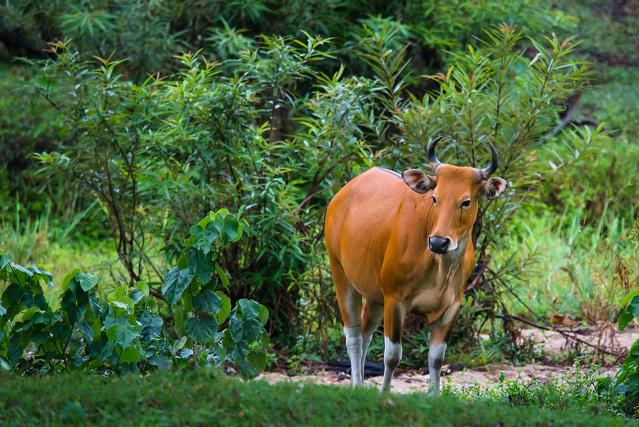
(398, 243)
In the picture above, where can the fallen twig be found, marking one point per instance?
(563, 332)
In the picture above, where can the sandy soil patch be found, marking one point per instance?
(411, 381)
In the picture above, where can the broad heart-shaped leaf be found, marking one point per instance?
(245, 323)
(20, 274)
(143, 288)
(119, 297)
(11, 296)
(69, 279)
(74, 305)
(224, 312)
(634, 304)
(151, 325)
(628, 298)
(224, 277)
(625, 317)
(176, 281)
(4, 261)
(120, 331)
(160, 361)
(257, 359)
(17, 343)
(201, 264)
(248, 330)
(630, 311)
(42, 274)
(253, 309)
(207, 301)
(130, 355)
(202, 329)
(86, 330)
(203, 238)
(231, 228)
(87, 281)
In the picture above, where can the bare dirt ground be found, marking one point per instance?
(409, 381)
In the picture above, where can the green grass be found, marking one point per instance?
(579, 270)
(206, 398)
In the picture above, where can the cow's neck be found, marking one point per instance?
(449, 264)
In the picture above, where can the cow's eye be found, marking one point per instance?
(434, 200)
(465, 204)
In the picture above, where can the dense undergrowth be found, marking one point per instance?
(78, 325)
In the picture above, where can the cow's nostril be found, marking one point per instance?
(438, 244)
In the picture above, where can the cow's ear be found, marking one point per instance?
(494, 187)
(418, 181)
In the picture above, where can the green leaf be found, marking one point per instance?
(253, 309)
(4, 365)
(4, 261)
(222, 275)
(204, 238)
(231, 228)
(143, 287)
(26, 315)
(18, 267)
(263, 314)
(130, 355)
(12, 295)
(225, 310)
(87, 281)
(16, 347)
(69, 278)
(628, 298)
(151, 326)
(120, 331)
(162, 362)
(176, 281)
(120, 298)
(202, 329)
(207, 301)
(201, 264)
(178, 345)
(625, 317)
(245, 323)
(257, 359)
(86, 330)
(634, 305)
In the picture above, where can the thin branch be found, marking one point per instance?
(564, 333)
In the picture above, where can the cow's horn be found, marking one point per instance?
(432, 158)
(487, 171)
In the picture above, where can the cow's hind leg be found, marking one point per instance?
(371, 317)
(350, 307)
(393, 325)
(439, 331)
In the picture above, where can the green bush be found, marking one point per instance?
(126, 329)
(626, 383)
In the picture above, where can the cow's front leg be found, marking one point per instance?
(393, 325)
(437, 348)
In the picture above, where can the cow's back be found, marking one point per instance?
(359, 222)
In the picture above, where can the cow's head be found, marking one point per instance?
(454, 193)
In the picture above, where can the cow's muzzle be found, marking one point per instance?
(438, 244)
